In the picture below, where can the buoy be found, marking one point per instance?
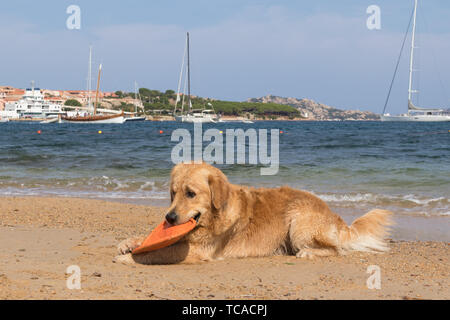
(221, 131)
(281, 132)
(100, 131)
(161, 132)
(39, 132)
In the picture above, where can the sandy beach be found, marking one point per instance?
(41, 237)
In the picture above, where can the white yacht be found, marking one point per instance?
(198, 116)
(419, 114)
(31, 106)
(414, 113)
(137, 103)
(191, 115)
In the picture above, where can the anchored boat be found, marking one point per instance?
(191, 115)
(88, 117)
(414, 113)
(137, 103)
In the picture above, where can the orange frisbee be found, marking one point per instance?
(164, 235)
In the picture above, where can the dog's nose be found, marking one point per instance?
(171, 217)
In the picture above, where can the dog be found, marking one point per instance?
(236, 221)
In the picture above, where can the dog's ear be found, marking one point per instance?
(173, 174)
(220, 190)
(176, 169)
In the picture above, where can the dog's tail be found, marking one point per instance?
(367, 233)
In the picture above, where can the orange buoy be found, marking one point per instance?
(39, 132)
(164, 235)
(161, 132)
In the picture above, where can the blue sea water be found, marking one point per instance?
(354, 166)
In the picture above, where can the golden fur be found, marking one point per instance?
(238, 221)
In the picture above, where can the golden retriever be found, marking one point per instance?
(236, 221)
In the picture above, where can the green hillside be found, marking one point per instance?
(164, 102)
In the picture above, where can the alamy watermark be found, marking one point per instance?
(73, 282)
(374, 20)
(73, 22)
(222, 150)
(374, 280)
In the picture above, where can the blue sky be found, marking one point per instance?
(320, 50)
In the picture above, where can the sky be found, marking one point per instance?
(320, 50)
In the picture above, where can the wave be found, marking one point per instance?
(103, 184)
(371, 197)
(89, 194)
(409, 203)
(25, 158)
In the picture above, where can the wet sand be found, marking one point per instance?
(41, 237)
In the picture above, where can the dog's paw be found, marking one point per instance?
(305, 254)
(124, 259)
(128, 245)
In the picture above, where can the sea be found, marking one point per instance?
(354, 166)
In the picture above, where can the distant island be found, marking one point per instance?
(317, 111)
(158, 105)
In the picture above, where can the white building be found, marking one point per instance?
(32, 105)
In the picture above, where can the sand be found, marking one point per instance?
(41, 237)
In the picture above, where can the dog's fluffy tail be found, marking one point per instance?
(367, 233)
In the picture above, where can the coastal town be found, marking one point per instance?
(10, 94)
(39, 104)
(35, 104)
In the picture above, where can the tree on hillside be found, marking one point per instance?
(169, 93)
(145, 92)
(72, 102)
(156, 93)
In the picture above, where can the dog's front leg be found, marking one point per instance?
(128, 245)
(181, 252)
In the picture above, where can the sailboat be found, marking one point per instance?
(415, 113)
(191, 115)
(136, 117)
(94, 117)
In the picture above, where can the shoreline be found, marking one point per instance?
(407, 227)
(41, 237)
(230, 119)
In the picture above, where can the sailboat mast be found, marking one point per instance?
(188, 74)
(411, 61)
(90, 79)
(135, 97)
(98, 86)
(179, 82)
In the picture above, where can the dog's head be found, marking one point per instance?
(197, 191)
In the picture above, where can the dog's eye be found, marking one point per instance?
(190, 194)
